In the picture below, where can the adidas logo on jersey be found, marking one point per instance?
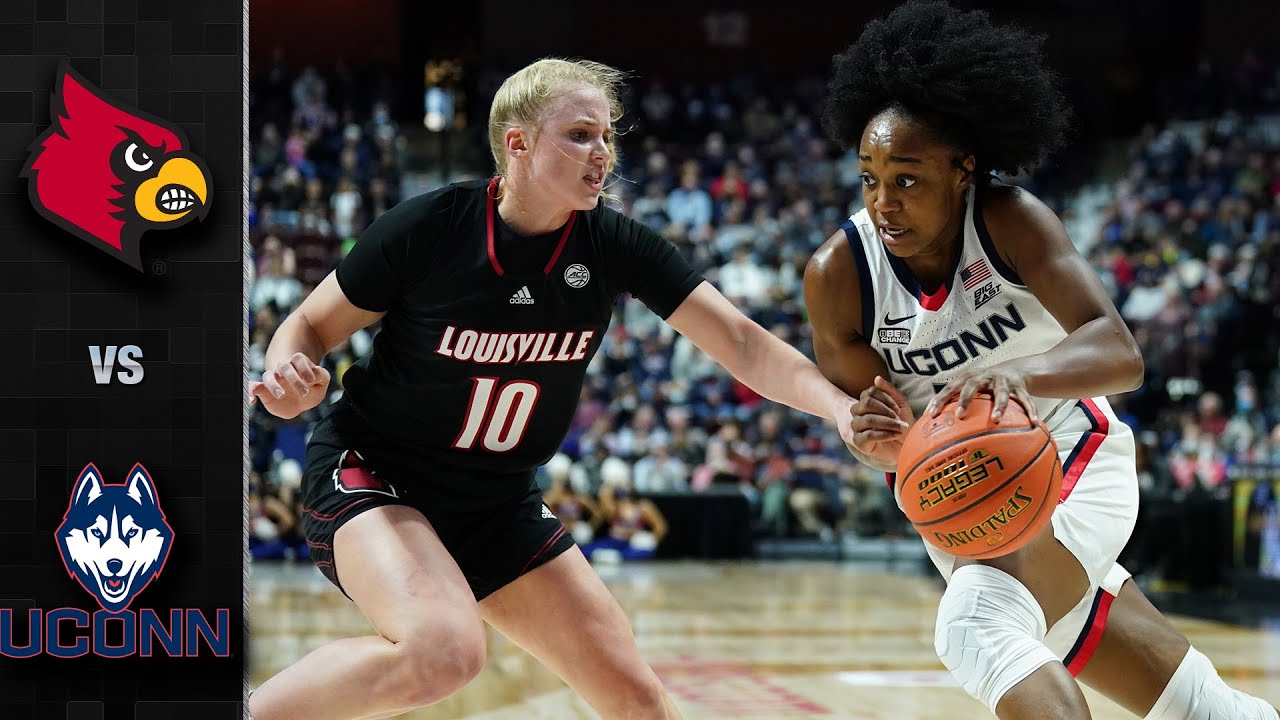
(522, 297)
(547, 514)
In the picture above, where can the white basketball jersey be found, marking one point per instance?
(983, 316)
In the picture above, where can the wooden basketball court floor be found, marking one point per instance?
(758, 639)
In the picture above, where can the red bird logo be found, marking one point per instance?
(107, 174)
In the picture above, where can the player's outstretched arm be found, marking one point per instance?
(293, 381)
(755, 356)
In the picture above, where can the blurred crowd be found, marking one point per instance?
(1186, 238)
(1190, 250)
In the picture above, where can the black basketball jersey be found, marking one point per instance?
(487, 335)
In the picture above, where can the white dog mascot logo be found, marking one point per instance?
(114, 539)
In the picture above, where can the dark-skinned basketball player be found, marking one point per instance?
(420, 500)
(947, 284)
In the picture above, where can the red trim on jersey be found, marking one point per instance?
(563, 238)
(490, 204)
(488, 218)
(934, 302)
(1092, 634)
(545, 546)
(1085, 447)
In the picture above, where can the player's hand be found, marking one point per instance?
(1004, 383)
(293, 387)
(881, 419)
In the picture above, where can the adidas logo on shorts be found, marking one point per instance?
(547, 514)
(522, 297)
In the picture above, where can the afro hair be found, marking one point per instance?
(982, 88)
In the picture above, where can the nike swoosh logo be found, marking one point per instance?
(894, 321)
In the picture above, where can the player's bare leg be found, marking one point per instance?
(563, 615)
(1138, 655)
(431, 637)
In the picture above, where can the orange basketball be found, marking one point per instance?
(976, 488)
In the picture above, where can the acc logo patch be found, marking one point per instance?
(577, 276)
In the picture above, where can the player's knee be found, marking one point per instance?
(990, 632)
(642, 696)
(462, 657)
(440, 660)
(1196, 692)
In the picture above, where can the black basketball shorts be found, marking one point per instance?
(493, 544)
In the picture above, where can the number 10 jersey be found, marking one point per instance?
(482, 353)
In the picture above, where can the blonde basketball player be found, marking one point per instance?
(419, 496)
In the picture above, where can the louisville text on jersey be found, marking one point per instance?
(497, 348)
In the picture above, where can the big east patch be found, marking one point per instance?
(108, 174)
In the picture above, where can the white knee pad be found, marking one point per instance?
(1195, 692)
(990, 632)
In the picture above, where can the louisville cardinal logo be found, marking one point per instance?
(107, 174)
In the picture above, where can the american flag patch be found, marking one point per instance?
(974, 273)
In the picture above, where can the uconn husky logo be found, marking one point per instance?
(114, 539)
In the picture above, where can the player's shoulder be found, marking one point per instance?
(618, 234)
(410, 231)
(1011, 210)
(833, 262)
(609, 219)
(441, 204)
